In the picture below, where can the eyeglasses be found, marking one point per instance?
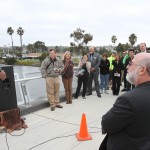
(132, 63)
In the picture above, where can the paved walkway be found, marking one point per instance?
(56, 130)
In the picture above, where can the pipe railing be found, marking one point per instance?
(24, 89)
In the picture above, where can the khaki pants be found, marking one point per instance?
(68, 88)
(53, 87)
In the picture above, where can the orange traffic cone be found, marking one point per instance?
(83, 135)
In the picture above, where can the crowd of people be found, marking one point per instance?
(127, 123)
(107, 73)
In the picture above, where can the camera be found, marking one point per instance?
(56, 69)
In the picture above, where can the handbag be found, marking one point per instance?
(79, 72)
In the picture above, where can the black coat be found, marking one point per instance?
(104, 66)
(128, 121)
(117, 66)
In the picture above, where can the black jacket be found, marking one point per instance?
(117, 66)
(104, 66)
(128, 121)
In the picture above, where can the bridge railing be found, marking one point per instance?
(32, 87)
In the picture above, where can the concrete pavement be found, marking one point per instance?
(55, 130)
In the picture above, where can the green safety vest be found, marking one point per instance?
(110, 61)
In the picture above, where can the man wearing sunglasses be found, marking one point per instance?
(127, 123)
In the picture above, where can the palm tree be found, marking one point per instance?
(10, 31)
(132, 39)
(20, 32)
(114, 39)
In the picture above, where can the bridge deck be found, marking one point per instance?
(56, 130)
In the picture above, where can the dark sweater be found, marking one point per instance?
(68, 69)
(104, 66)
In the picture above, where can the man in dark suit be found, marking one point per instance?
(94, 58)
(127, 123)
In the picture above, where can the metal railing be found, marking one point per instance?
(32, 88)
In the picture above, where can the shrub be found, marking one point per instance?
(10, 61)
(28, 62)
(43, 56)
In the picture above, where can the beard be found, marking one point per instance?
(132, 76)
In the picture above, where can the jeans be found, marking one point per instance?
(104, 78)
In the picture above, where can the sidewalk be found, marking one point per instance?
(56, 130)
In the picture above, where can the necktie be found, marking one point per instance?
(91, 57)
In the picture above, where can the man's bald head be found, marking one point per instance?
(138, 70)
(144, 60)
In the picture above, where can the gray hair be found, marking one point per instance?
(146, 62)
(92, 47)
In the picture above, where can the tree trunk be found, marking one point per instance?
(21, 44)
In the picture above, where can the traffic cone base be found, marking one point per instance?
(83, 139)
(83, 134)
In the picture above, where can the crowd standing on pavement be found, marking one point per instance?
(108, 74)
(127, 123)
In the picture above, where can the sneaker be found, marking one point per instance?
(59, 106)
(123, 90)
(106, 92)
(52, 108)
(99, 95)
(75, 97)
(84, 97)
(89, 94)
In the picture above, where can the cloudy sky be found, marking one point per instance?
(52, 21)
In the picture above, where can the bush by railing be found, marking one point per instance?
(31, 62)
(10, 61)
(28, 62)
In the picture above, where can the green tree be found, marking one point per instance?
(31, 48)
(122, 47)
(103, 50)
(132, 39)
(43, 56)
(10, 31)
(20, 32)
(40, 46)
(114, 39)
(81, 39)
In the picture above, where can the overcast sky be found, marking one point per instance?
(52, 21)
